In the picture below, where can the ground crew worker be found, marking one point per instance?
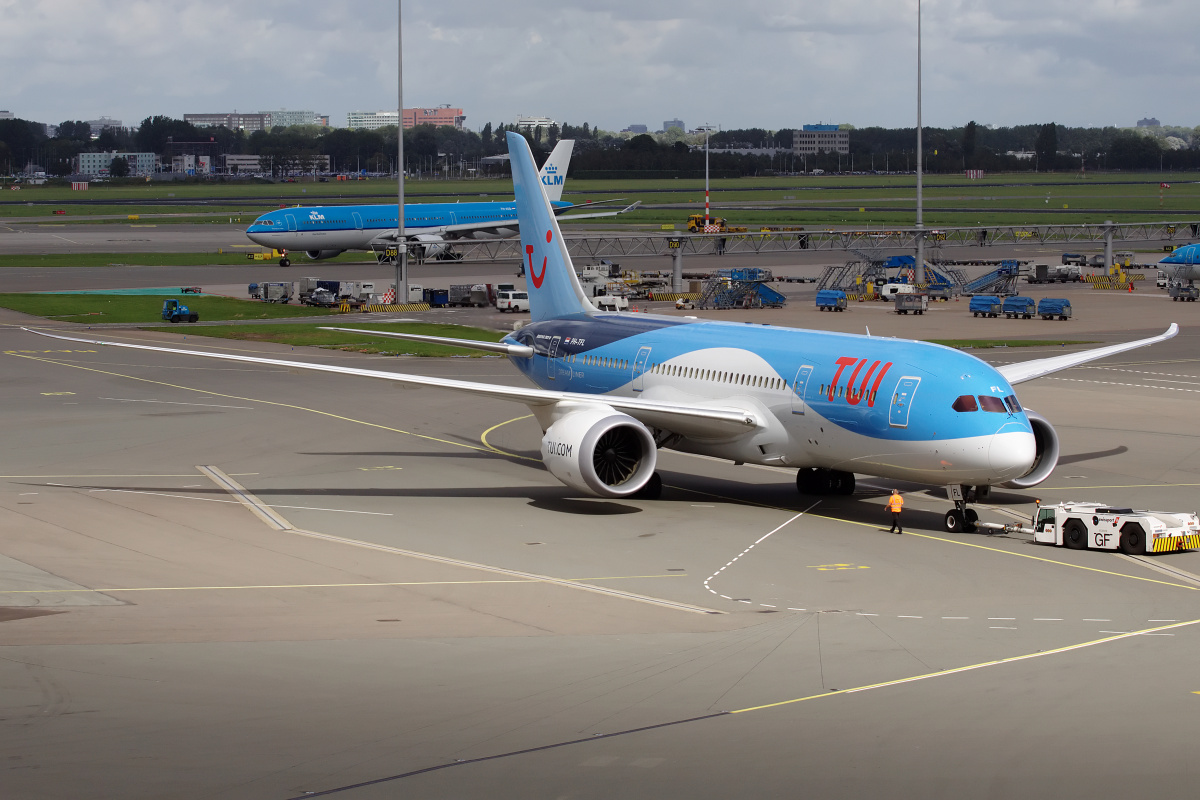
(895, 503)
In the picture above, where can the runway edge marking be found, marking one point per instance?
(277, 522)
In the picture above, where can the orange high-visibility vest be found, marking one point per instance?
(895, 503)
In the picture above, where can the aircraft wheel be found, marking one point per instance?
(652, 490)
(1075, 535)
(285, 262)
(954, 521)
(806, 481)
(971, 519)
(1133, 539)
(843, 482)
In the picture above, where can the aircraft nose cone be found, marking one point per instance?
(1012, 450)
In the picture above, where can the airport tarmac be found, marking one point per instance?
(220, 580)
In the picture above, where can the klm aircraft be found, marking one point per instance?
(1183, 264)
(611, 389)
(326, 231)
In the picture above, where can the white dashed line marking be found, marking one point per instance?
(1132, 385)
(1001, 628)
(1097, 620)
(955, 617)
(908, 616)
(1004, 619)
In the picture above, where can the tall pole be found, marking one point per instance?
(401, 246)
(707, 129)
(920, 265)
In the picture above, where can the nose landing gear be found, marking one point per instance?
(961, 518)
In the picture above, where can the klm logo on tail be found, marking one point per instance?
(552, 178)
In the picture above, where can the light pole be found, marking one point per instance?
(920, 200)
(707, 131)
(401, 247)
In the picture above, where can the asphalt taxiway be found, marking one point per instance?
(220, 580)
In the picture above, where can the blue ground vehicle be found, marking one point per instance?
(1022, 307)
(831, 300)
(985, 305)
(1051, 307)
(175, 312)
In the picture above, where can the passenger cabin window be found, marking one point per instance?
(988, 403)
(1013, 405)
(965, 403)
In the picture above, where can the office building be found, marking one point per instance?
(233, 121)
(370, 120)
(286, 119)
(442, 115)
(673, 123)
(820, 139)
(99, 163)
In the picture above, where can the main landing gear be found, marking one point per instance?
(961, 518)
(824, 481)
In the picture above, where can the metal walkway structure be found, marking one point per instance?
(740, 288)
(863, 240)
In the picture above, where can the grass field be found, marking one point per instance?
(237, 258)
(309, 335)
(1015, 198)
(100, 308)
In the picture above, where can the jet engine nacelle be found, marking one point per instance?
(1046, 458)
(431, 245)
(317, 255)
(600, 451)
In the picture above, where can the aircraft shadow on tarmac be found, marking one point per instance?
(1078, 457)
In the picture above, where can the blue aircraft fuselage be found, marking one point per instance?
(355, 227)
(837, 401)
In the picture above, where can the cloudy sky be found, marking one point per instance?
(746, 64)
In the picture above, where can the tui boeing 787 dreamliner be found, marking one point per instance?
(613, 388)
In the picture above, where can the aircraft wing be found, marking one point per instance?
(1028, 370)
(629, 207)
(689, 420)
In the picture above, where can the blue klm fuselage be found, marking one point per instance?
(355, 227)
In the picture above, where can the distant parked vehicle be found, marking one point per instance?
(916, 303)
(173, 312)
(1019, 307)
(985, 305)
(1051, 307)
(512, 301)
(831, 300)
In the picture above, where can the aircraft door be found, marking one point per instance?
(639, 368)
(902, 400)
(291, 221)
(552, 354)
(357, 221)
(799, 387)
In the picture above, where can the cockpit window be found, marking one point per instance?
(988, 403)
(1013, 405)
(965, 403)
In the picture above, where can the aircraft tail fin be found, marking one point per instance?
(554, 172)
(554, 290)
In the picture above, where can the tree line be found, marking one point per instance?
(599, 153)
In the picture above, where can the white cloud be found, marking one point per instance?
(758, 63)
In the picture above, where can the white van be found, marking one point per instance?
(890, 290)
(515, 302)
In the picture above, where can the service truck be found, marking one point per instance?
(1083, 525)
(1080, 526)
(465, 294)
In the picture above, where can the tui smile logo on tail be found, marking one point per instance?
(537, 277)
